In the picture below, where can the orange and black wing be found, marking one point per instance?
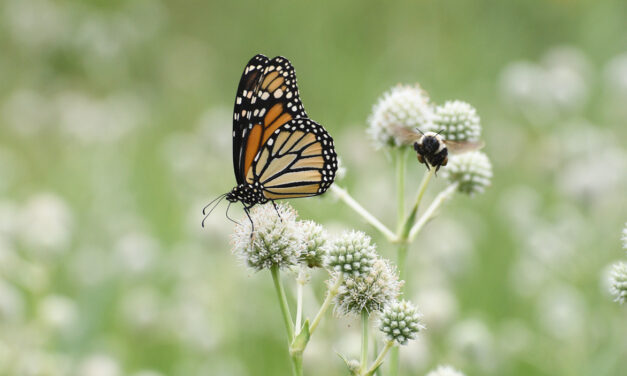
(253, 72)
(298, 160)
(270, 99)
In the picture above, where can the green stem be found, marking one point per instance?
(364, 339)
(327, 302)
(297, 363)
(343, 195)
(300, 283)
(400, 186)
(285, 309)
(377, 362)
(431, 210)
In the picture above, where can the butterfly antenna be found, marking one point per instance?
(212, 201)
(212, 209)
(227, 214)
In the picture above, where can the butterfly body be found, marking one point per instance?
(278, 152)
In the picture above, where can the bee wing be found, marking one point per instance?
(458, 147)
(407, 136)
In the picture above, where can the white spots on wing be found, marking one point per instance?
(288, 95)
(278, 93)
(256, 112)
(238, 100)
(294, 108)
(265, 95)
(262, 112)
(270, 142)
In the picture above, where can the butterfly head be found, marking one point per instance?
(247, 194)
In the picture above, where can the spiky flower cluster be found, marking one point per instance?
(400, 322)
(457, 121)
(352, 254)
(275, 239)
(370, 292)
(314, 237)
(403, 107)
(618, 280)
(445, 371)
(472, 172)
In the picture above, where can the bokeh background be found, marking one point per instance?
(115, 131)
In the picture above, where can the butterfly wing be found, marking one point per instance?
(298, 160)
(274, 102)
(253, 73)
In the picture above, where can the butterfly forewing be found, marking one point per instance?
(298, 160)
(253, 73)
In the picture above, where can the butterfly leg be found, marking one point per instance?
(252, 224)
(277, 210)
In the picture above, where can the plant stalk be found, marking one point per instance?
(327, 302)
(364, 340)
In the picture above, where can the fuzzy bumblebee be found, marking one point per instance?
(432, 150)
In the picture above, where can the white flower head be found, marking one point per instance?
(403, 107)
(352, 254)
(370, 292)
(400, 322)
(273, 240)
(316, 243)
(624, 237)
(445, 371)
(472, 171)
(457, 121)
(618, 280)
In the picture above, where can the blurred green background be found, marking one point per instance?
(115, 131)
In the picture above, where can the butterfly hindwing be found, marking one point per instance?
(298, 160)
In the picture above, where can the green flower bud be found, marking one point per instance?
(352, 254)
(457, 121)
(400, 322)
(472, 171)
(315, 240)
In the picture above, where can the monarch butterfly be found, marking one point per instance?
(278, 152)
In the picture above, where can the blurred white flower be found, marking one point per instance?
(618, 280)
(11, 303)
(45, 224)
(438, 306)
(561, 311)
(58, 311)
(615, 73)
(99, 365)
(35, 24)
(27, 111)
(471, 170)
(141, 308)
(8, 213)
(624, 237)
(445, 371)
(136, 251)
(88, 119)
(472, 340)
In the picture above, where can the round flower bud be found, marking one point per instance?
(400, 322)
(445, 371)
(351, 254)
(618, 280)
(315, 240)
(405, 107)
(472, 172)
(457, 121)
(370, 292)
(273, 240)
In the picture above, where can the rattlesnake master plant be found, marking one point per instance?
(402, 106)
(456, 121)
(400, 322)
(316, 243)
(274, 241)
(370, 292)
(472, 172)
(352, 254)
(618, 279)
